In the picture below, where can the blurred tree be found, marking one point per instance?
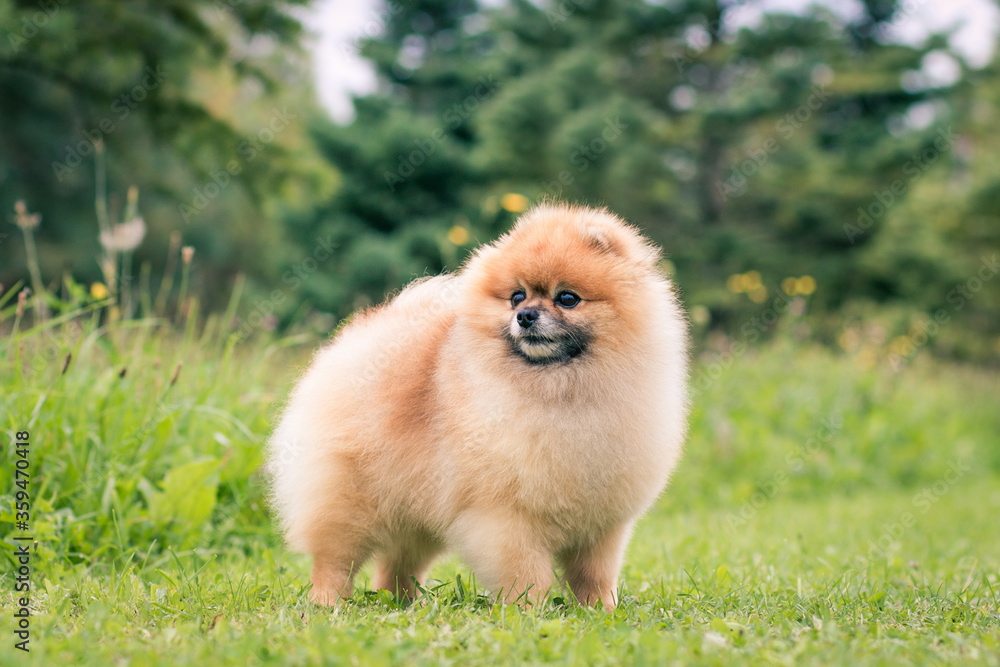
(772, 155)
(184, 96)
(795, 145)
(403, 208)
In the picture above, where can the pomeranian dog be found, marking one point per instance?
(525, 410)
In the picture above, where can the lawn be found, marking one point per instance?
(830, 510)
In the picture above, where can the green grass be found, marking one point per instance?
(816, 519)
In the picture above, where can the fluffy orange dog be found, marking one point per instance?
(529, 408)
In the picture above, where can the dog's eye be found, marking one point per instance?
(567, 299)
(517, 297)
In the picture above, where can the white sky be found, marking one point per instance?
(337, 24)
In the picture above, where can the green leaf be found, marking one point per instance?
(188, 494)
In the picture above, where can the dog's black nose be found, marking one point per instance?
(527, 317)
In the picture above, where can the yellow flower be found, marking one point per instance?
(805, 285)
(734, 283)
(458, 235)
(514, 202)
(99, 291)
(788, 286)
(758, 294)
(848, 339)
(751, 280)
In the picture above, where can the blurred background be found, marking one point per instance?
(839, 161)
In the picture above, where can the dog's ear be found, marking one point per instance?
(599, 239)
(622, 241)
